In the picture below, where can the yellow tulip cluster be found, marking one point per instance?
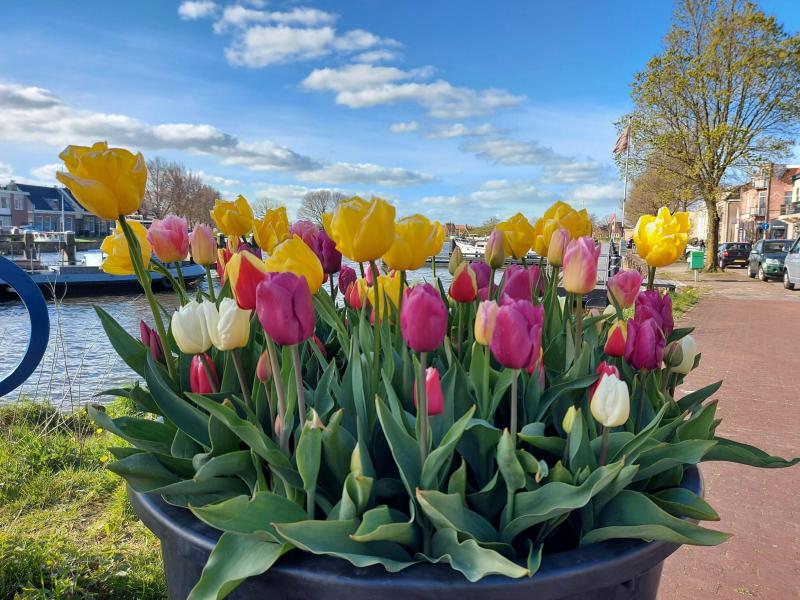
(233, 218)
(560, 216)
(661, 240)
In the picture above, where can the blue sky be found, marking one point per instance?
(459, 110)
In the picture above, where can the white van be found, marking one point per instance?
(791, 266)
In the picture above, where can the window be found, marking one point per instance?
(787, 197)
(19, 202)
(762, 199)
(3, 202)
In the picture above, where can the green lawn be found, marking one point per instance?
(66, 527)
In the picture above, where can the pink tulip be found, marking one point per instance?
(264, 368)
(482, 273)
(517, 336)
(325, 249)
(306, 230)
(199, 382)
(204, 246)
(537, 366)
(623, 288)
(644, 348)
(368, 274)
(518, 283)
(423, 318)
(580, 265)
(285, 308)
(169, 238)
(650, 304)
(463, 287)
(433, 392)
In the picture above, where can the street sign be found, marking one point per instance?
(763, 226)
(696, 259)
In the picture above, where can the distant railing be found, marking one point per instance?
(790, 208)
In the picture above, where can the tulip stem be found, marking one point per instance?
(513, 399)
(422, 408)
(398, 333)
(333, 293)
(361, 268)
(651, 277)
(237, 364)
(211, 292)
(180, 275)
(212, 381)
(578, 323)
(490, 295)
(460, 331)
(161, 268)
(144, 279)
(433, 267)
(640, 412)
(487, 355)
(603, 446)
(276, 378)
(298, 378)
(376, 338)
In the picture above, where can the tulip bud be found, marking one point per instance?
(223, 256)
(229, 326)
(321, 346)
(264, 368)
(347, 275)
(537, 366)
(285, 308)
(580, 265)
(189, 329)
(484, 322)
(368, 276)
(569, 419)
(456, 258)
(315, 422)
(353, 295)
(610, 402)
(169, 238)
(558, 245)
(423, 318)
(245, 271)
(623, 288)
(617, 338)
(463, 287)
(517, 336)
(203, 244)
(152, 341)
(433, 392)
(683, 355)
(495, 254)
(278, 426)
(199, 368)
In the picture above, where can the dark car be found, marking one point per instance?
(766, 259)
(733, 253)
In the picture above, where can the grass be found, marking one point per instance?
(66, 527)
(683, 299)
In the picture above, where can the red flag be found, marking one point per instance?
(622, 141)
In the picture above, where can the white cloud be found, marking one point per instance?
(196, 9)
(376, 56)
(457, 130)
(216, 180)
(440, 200)
(364, 173)
(570, 172)
(47, 172)
(404, 127)
(504, 151)
(365, 85)
(265, 45)
(6, 171)
(238, 16)
(597, 193)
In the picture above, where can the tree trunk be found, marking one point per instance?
(712, 233)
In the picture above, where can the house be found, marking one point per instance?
(790, 209)
(765, 199)
(454, 229)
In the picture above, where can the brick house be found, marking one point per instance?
(766, 198)
(790, 210)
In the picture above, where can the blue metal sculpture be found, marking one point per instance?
(31, 296)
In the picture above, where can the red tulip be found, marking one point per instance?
(617, 338)
(169, 238)
(321, 346)
(463, 287)
(517, 336)
(264, 368)
(538, 366)
(433, 392)
(623, 288)
(246, 271)
(152, 341)
(198, 376)
(353, 297)
(580, 265)
(347, 275)
(423, 318)
(285, 308)
(603, 369)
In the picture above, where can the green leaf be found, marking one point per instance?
(145, 434)
(439, 460)
(144, 472)
(681, 502)
(471, 559)
(689, 401)
(508, 463)
(308, 454)
(129, 349)
(552, 393)
(665, 456)
(631, 448)
(744, 454)
(700, 426)
(679, 333)
(404, 448)
(533, 433)
(200, 493)
(477, 447)
(580, 450)
(337, 446)
(233, 463)
(502, 384)
(386, 524)
(234, 559)
(333, 538)
(458, 481)
(447, 511)
(247, 515)
(534, 558)
(633, 515)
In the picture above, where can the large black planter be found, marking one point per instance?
(613, 570)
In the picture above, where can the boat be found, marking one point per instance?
(475, 248)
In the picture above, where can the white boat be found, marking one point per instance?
(473, 247)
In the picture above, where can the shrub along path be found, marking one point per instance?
(748, 332)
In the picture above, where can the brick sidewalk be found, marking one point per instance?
(752, 341)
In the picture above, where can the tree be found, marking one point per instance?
(263, 204)
(486, 227)
(656, 187)
(172, 189)
(316, 202)
(723, 94)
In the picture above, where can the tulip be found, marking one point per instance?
(203, 244)
(580, 265)
(463, 287)
(438, 238)
(151, 341)
(483, 273)
(229, 326)
(199, 369)
(494, 254)
(223, 257)
(294, 256)
(644, 348)
(263, 368)
(234, 219)
(108, 182)
(456, 258)
(485, 319)
(433, 391)
(684, 354)
(518, 235)
(517, 335)
(115, 246)
(560, 216)
(321, 347)
(623, 288)
(305, 230)
(389, 288)
(272, 229)
(415, 239)
(368, 277)
(603, 369)
(660, 240)
(169, 238)
(558, 245)
(363, 231)
(189, 328)
(610, 403)
(519, 282)
(347, 275)
(327, 253)
(568, 420)
(245, 272)
(354, 296)
(423, 318)
(650, 304)
(616, 339)
(538, 366)
(285, 308)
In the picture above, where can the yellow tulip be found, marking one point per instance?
(362, 230)
(560, 216)
(518, 235)
(108, 182)
(294, 256)
(272, 229)
(233, 218)
(661, 240)
(415, 239)
(389, 287)
(118, 258)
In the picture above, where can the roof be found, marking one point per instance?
(49, 197)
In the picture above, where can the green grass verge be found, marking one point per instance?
(66, 527)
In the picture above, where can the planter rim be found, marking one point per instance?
(603, 564)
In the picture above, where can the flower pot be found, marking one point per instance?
(617, 569)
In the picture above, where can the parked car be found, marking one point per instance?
(733, 253)
(791, 266)
(766, 259)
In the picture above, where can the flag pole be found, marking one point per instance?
(625, 188)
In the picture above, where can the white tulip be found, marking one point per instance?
(228, 327)
(688, 349)
(189, 329)
(610, 403)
